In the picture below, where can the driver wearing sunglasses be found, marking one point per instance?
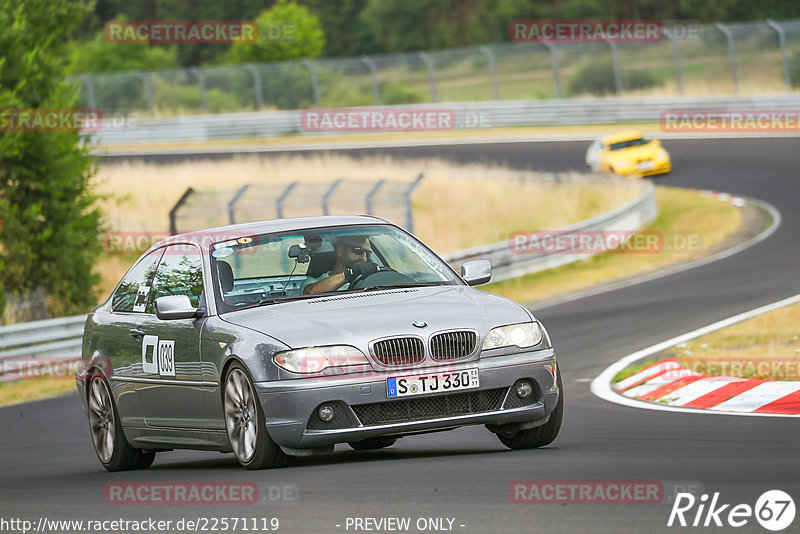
(353, 255)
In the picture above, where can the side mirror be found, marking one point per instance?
(175, 307)
(655, 142)
(476, 272)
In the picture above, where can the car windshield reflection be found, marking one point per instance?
(272, 268)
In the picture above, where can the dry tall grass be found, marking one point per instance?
(455, 207)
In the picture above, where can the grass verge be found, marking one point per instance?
(633, 369)
(766, 347)
(682, 212)
(30, 389)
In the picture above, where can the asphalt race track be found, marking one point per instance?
(49, 467)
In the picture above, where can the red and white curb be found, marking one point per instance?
(724, 197)
(666, 386)
(670, 384)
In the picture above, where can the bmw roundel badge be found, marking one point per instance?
(420, 324)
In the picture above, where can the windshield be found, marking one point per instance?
(264, 269)
(630, 143)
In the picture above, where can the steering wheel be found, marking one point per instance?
(385, 275)
(360, 278)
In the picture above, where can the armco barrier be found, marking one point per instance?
(62, 337)
(51, 339)
(506, 264)
(490, 114)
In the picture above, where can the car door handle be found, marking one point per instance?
(136, 332)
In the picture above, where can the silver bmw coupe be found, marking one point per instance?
(286, 337)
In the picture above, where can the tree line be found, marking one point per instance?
(345, 28)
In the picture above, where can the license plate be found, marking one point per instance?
(645, 165)
(407, 386)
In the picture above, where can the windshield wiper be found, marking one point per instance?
(400, 285)
(276, 300)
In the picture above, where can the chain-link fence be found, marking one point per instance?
(746, 58)
(388, 199)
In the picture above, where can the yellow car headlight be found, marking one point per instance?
(317, 359)
(522, 335)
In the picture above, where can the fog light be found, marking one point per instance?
(524, 389)
(326, 413)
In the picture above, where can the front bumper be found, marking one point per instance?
(364, 411)
(661, 167)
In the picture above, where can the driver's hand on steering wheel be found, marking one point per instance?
(362, 270)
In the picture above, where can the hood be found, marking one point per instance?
(357, 318)
(645, 152)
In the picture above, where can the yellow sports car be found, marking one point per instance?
(628, 154)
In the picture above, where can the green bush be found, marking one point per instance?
(304, 39)
(99, 55)
(174, 98)
(392, 94)
(597, 78)
(346, 95)
(287, 86)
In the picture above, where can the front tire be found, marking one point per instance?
(540, 435)
(108, 438)
(245, 423)
(372, 443)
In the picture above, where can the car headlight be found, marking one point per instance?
(316, 359)
(521, 335)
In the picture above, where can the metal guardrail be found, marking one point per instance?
(50, 340)
(61, 338)
(490, 114)
(50, 337)
(507, 264)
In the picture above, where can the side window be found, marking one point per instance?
(132, 293)
(179, 273)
